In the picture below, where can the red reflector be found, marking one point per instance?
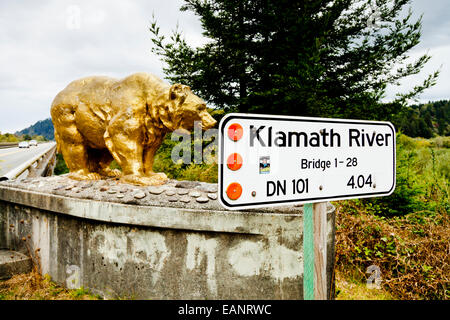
(235, 131)
(234, 191)
(234, 161)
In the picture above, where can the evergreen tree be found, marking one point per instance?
(424, 120)
(330, 58)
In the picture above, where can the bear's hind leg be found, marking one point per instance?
(73, 148)
(100, 161)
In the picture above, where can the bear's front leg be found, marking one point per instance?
(124, 138)
(149, 156)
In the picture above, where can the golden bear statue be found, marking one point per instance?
(98, 119)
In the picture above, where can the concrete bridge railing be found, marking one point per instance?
(170, 242)
(41, 164)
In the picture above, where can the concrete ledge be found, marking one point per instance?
(147, 244)
(156, 216)
(12, 263)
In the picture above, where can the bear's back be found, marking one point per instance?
(89, 90)
(141, 84)
(102, 89)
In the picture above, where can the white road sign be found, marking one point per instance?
(267, 160)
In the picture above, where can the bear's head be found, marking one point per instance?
(183, 109)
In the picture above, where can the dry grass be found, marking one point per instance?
(412, 252)
(33, 286)
(353, 289)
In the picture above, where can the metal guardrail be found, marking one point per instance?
(43, 160)
(4, 145)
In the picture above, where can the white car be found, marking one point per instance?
(24, 144)
(33, 143)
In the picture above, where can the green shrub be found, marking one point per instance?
(181, 171)
(60, 167)
(422, 178)
(205, 173)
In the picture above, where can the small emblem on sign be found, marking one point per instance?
(264, 165)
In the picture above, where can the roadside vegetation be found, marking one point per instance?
(34, 286)
(12, 138)
(407, 235)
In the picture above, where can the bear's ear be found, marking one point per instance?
(177, 91)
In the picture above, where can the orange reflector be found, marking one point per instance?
(234, 191)
(234, 161)
(235, 131)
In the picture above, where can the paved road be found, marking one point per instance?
(13, 157)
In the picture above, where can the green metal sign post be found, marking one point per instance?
(314, 251)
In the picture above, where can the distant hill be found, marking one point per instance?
(425, 120)
(41, 128)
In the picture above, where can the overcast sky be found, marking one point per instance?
(46, 44)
